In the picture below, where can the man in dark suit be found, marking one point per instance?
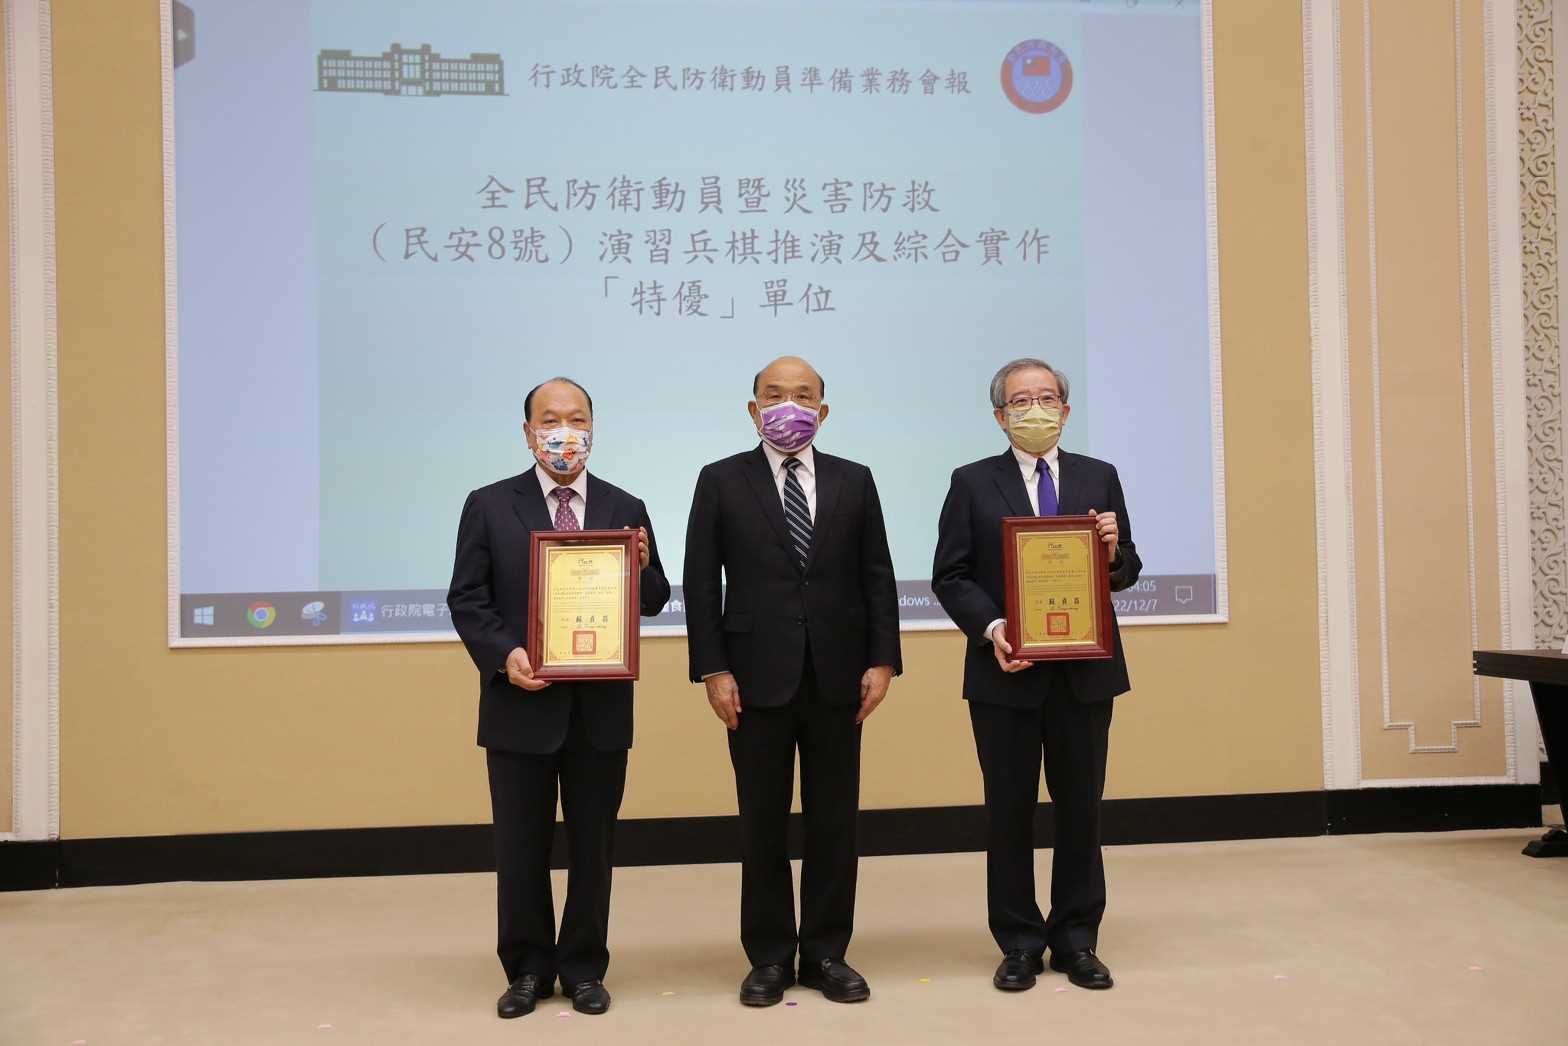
(1023, 711)
(538, 736)
(798, 653)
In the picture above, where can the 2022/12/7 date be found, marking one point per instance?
(1135, 606)
(1128, 601)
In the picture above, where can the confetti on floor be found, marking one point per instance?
(924, 980)
(1475, 969)
(563, 1013)
(666, 994)
(323, 1027)
(1279, 976)
(792, 1004)
(1061, 989)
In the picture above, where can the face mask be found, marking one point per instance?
(1036, 430)
(788, 427)
(563, 450)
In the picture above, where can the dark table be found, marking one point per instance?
(1547, 673)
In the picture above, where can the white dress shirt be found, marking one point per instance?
(807, 474)
(1029, 468)
(579, 499)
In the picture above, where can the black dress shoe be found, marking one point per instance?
(1082, 968)
(836, 980)
(764, 985)
(519, 998)
(590, 997)
(1017, 972)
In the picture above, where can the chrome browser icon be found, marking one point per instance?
(261, 614)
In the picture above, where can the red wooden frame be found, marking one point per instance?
(1104, 645)
(631, 608)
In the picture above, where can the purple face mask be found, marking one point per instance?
(788, 427)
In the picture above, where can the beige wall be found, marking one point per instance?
(1418, 281)
(7, 669)
(156, 741)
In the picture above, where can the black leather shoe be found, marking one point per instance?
(764, 985)
(836, 980)
(590, 997)
(1017, 972)
(1082, 968)
(519, 998)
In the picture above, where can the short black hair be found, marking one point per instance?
(822, 383)
(528, 400)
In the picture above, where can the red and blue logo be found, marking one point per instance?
(1036, 76)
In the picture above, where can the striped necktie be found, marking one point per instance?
(797, 514)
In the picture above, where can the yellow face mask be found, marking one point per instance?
(1035, 430)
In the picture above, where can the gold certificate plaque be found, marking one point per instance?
(583, 619)
(1058, 599)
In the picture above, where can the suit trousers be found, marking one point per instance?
(762, 750)
(1072, 738)
(523, 790)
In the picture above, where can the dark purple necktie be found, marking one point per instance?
(1047, 490)
(565, 518)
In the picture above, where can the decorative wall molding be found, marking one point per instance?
(1463, 306)
(1327, 302)
(1543, 353)
(35, 483)
(1510, 433)
(1504, 212)
(1349, 417)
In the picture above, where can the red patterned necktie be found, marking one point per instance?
(565, 518)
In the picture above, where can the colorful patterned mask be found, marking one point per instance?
(563, 450)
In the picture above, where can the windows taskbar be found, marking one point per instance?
(423, 612)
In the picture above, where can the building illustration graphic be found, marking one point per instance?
(410, 71)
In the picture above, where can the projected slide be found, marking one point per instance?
(392, 219)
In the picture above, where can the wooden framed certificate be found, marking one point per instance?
(583, 604)
(1058, 600)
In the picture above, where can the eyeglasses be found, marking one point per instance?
(805, 399)
(1024, 402)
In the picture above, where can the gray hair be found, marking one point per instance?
(999, 383)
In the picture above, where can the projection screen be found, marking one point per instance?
(387, 221)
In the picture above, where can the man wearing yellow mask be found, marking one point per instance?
(1023, 712)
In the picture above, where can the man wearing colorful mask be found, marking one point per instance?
(540, 738)
(1022, 711)
(795, 653)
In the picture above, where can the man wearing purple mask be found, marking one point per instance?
(795, 653)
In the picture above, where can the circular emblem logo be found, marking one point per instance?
(1036, 76)
(261, 614)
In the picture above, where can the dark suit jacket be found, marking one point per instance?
(489, 605)
(968, 579)
(845, 600)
